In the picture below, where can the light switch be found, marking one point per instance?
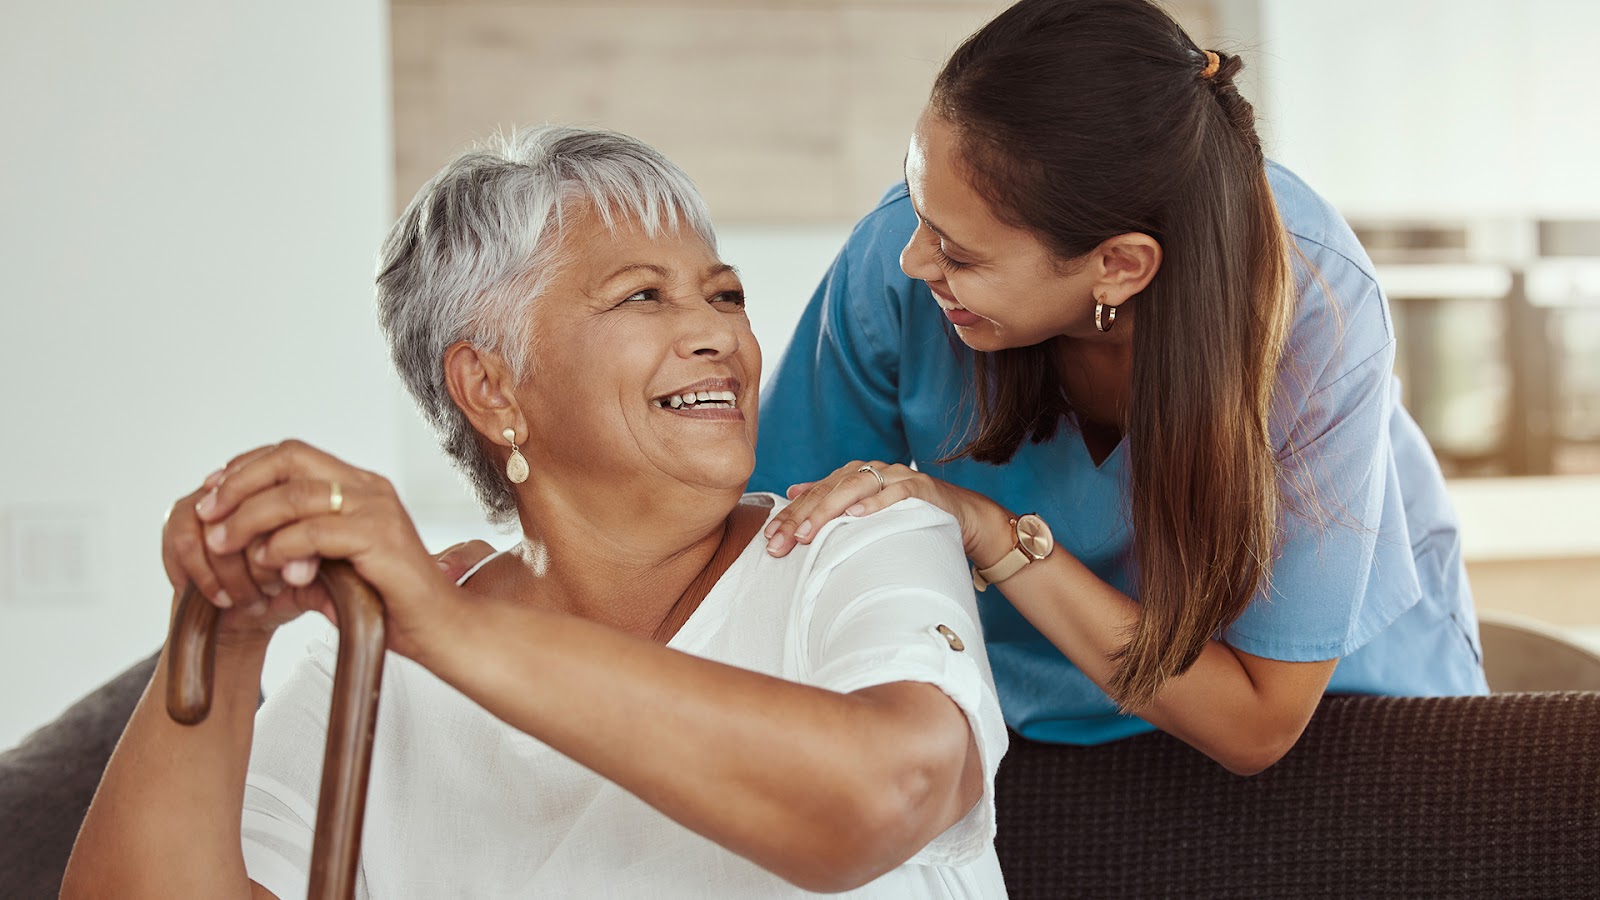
(54, 556)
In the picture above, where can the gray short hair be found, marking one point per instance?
(479, 244)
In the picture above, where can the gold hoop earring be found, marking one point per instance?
(517, 465)
(1104, 316)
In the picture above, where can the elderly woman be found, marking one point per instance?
(635, 700)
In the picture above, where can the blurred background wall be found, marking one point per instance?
(192, 192)
(190, 196)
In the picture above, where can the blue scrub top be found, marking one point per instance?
(1375, 578)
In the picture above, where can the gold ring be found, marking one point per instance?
(875, 474)
(335, 498)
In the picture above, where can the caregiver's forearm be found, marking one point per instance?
(165, 820)
(824, 789)
(1242, 711)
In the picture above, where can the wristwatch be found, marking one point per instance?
(1034, 542)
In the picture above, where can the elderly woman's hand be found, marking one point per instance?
(285, 507)
(252, 598)
(854, 491)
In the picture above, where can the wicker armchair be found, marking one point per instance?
(1460, 797)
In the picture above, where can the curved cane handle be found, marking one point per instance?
(347, 759)
(191, 652)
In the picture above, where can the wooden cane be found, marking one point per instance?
(347, 758)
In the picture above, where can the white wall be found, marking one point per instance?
(191, 194)
(1437, 108)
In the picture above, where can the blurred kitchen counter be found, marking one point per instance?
(1533, 545)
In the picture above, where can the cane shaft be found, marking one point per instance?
(347, 758)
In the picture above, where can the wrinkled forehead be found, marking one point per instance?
(600, 254)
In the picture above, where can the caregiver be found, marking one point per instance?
(1169, 428)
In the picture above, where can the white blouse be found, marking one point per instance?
(462, 805)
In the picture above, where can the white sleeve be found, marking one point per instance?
(879, 597)
(285, 777)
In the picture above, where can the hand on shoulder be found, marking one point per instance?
(861, 488)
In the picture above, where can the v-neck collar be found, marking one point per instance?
(1083, 445)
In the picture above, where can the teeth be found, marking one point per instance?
(704, 399)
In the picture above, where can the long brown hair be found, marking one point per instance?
(1083, 119)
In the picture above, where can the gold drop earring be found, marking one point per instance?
(1104, 316)
(517, 465)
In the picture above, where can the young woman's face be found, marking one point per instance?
(998, 284)
(646, 371)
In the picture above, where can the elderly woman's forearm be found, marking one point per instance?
(165, 821)
(824, 789)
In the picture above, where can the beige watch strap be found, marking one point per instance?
(1009, 565)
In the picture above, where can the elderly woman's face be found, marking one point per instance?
(645, 363)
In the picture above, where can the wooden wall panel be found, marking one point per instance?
(781, 111)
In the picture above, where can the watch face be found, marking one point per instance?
(1034, 537)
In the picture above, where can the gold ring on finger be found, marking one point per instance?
(875, 474)
(335, 498)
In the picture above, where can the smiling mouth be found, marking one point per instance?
(697, 400)
(945, 303)
(959, 315)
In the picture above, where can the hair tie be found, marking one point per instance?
(1213, 63)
